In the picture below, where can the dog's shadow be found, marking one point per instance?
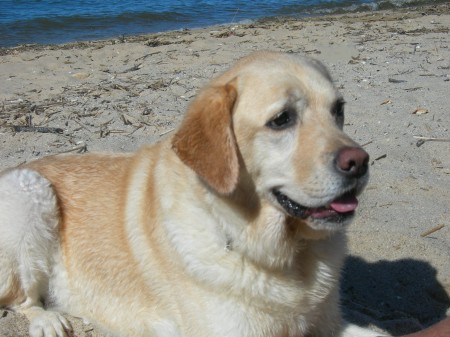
(397, 296)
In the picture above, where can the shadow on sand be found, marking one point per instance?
(400, 296)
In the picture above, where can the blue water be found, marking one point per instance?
(59, 21)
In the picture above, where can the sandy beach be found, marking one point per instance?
(393, 68)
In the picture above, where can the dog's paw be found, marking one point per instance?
(49, 324)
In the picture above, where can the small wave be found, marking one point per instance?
(333, 7)
(60, 29)
(91, 21)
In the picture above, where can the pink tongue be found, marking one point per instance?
(345, 204)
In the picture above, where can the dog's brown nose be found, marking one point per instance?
(352, 161)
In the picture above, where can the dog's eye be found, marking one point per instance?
(338, 112)
(338, 109)
(282, 121)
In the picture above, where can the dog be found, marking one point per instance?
(232, 226)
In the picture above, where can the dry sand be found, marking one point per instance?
(393, 69)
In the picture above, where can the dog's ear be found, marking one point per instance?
(205, 141)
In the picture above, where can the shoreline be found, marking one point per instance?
(393, 69)
(370, 15)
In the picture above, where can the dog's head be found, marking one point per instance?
(277, 119)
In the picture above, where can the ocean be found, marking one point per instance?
(60, 21)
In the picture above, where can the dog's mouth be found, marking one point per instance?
(340, 209)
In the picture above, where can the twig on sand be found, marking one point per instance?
(134, 68)
(432, 139)
(40, 129)
(166, 132)
(81, 147)
(432, 230)
(367, 143)
(380, 157)
(422, 140)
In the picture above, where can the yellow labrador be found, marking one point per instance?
(234, 226)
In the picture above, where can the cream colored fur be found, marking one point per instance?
(185, 238)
